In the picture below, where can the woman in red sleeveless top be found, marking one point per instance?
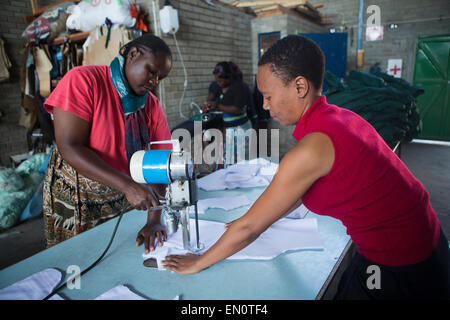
(342, 168)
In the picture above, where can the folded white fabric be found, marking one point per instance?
(225, 203)
(119, 293)
(245, 174)
(34, 287)
(283, 235)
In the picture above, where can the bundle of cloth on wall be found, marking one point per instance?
(68, 17)
(387, 103)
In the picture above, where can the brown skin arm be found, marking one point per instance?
(309, 160)
(211, 98)
(72, 138)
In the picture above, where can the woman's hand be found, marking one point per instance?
(142, 196)
(209, 105)
(182, 264)
(149, 233)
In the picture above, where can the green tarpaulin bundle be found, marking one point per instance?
(387, 103)
(17, 186)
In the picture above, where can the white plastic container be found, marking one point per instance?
(168, 17)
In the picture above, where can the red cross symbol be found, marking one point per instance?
(395, 69)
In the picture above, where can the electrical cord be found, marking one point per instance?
(97, 261)
(185, 77)
(193, 104)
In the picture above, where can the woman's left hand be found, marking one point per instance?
(182, 264)
(149, 233)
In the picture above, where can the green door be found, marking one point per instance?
(432, 73)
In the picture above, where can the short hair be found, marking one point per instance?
(149, 42)
(228, 69)
(295, 56)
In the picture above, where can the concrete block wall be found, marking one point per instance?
(207, 35)
(266, 25)
(414, 18)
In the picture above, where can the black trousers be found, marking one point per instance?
(426, 280)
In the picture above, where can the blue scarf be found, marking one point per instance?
(130, 102)
(136, 131)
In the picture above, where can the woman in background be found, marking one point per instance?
(231, 95)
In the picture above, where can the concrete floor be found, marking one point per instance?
(430, 164)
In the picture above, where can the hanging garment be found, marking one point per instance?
(5, 64)
(95, 50)
(43, 66)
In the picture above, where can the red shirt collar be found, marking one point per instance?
(300, 124)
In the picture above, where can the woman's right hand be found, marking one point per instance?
(142, 196)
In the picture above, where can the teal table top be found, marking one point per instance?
(292, 275)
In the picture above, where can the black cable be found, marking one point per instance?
(96, 262)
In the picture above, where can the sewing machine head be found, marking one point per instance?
(174, 168)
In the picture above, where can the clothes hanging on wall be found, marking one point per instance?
(103, 45)
(5, 64)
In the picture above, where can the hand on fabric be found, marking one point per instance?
(149, 233)
(182, 264)
(142, 196)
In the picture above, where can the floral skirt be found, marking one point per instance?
(74, 203)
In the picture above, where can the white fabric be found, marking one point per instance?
(283, 235)
(123, 293)
(225, 203)
(35, 287)
(298, 213)
(119, 293)
(230, 203)
(245, 174)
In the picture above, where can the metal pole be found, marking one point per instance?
(360, 23)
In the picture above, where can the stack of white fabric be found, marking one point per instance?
(245, 174)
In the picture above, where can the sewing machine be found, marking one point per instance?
(174, 168)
